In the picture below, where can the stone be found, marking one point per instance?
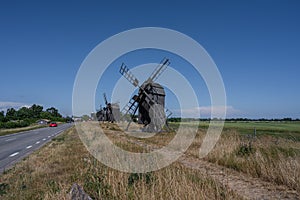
(77, 193)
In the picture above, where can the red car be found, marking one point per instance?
(53, 124)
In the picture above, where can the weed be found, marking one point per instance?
(245, 149)
(3, 188)
(134, 177)
(94, 184)
(53, 186)
(60, 138)
(113, 128)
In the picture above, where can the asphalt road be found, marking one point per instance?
(16, 146)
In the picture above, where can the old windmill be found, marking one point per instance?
(111, 111)
(101, 114)
(150, 100)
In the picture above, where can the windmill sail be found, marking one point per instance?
(130, 108)
(128, 75)
(159, 70)
(105, 99)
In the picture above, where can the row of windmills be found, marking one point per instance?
(109, 113)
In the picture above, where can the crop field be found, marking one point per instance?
(240, 166)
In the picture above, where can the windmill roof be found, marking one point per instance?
(156, 88)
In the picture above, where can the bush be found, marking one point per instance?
(3, 188)
(15, 124)
(245, 149)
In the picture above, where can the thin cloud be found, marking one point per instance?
(4, 105)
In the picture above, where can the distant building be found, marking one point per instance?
(43, 121)
(77, 119)
(93, 116)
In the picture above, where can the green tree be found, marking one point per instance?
(46, 115)
(11, 114)
(2, 116)
(36, 111)
(54, 112)
(69, 119)
(23, 113)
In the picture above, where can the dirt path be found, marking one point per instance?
(242, 184)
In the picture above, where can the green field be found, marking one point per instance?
(290, 130)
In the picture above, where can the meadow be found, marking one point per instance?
(283, 129)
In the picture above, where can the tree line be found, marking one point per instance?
(178, 119)
(27, 115)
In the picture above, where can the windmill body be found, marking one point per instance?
(101, 115)
(115, 112)
(156, 94)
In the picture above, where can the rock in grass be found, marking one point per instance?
(77, 193)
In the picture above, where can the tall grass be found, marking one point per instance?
(272, 159)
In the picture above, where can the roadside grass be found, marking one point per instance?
(274, 159)
(16, 130)
(50, 172)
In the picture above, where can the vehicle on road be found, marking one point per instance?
(53, 124)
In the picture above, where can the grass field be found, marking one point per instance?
(282, 129)
(271, 156)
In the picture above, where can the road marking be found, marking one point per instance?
(28, 147)
(14, 154)
(37, 142)
(10, 139)
(49, 136)
(44, 139)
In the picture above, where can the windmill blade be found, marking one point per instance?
(168, 112)
(105, 99)
(159, 70)
(130, 109)
(128, 75)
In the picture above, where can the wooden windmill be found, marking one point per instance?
(150, 100)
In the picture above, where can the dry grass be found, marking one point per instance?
(272, 159)
(50, 172)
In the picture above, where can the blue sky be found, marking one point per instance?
(255, 45)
